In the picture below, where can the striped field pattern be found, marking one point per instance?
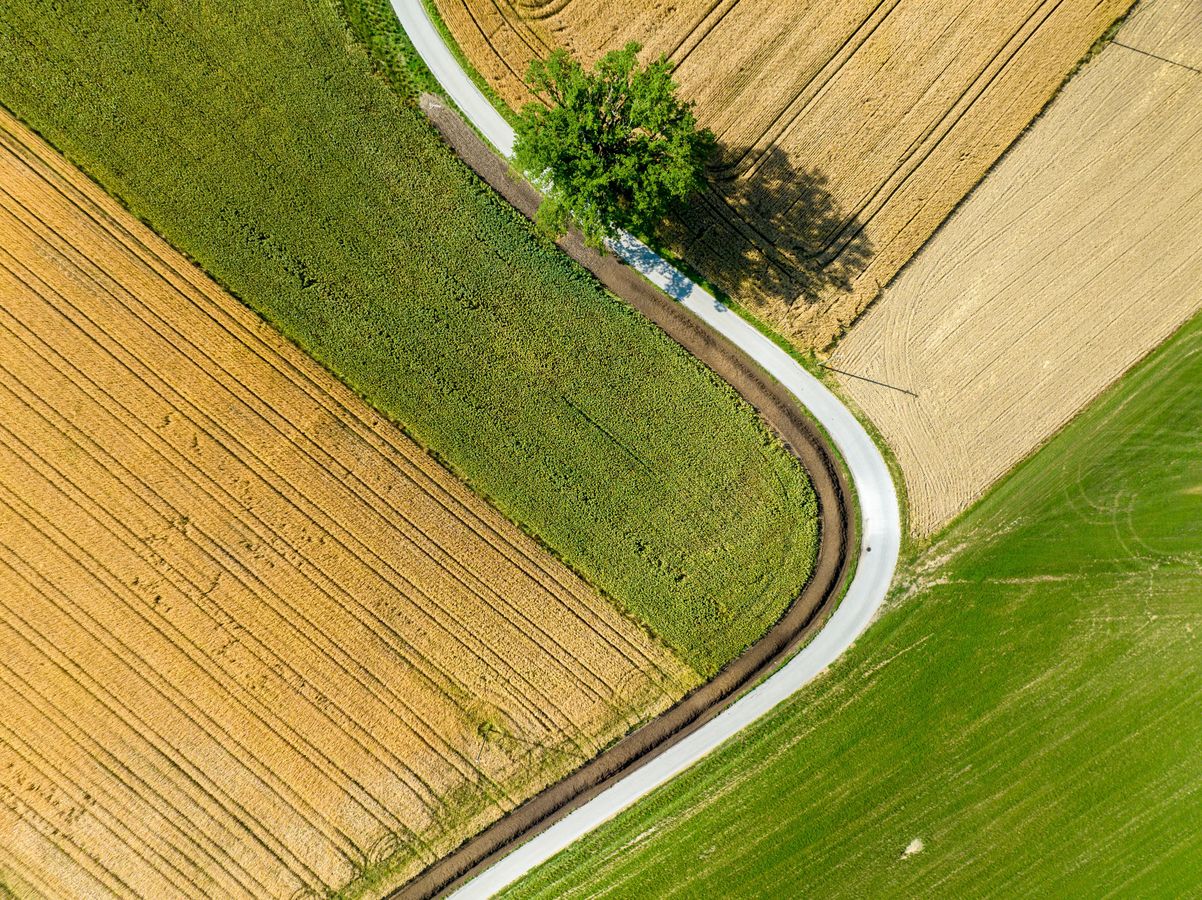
(848, 131)
(253, 640)
(1079, 255)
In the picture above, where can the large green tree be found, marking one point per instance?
(614, 147)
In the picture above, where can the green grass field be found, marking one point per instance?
(1029, 708)
(257, 138)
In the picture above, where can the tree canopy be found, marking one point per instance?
(614, 147)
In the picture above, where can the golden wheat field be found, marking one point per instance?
(254, 642)
(848, 130)
(1077, 256)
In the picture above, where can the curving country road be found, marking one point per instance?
(880, 525)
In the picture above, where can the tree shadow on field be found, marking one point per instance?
(765, 226)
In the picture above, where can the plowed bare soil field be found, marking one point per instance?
(253, 641)
(1079, 253)
(848, 130)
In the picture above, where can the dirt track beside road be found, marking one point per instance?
(836, 552)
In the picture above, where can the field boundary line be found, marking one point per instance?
(879, 538)
(1164, 59)
(414, 473)
(116, 465)
(199, 353)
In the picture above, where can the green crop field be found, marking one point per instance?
(1029, 708)
(258, 138)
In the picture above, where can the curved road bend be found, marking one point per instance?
(880, 523)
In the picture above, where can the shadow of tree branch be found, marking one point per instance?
(774, 232)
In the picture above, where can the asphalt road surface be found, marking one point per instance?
(880, 523)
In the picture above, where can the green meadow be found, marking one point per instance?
(1028, 710)
(278, 144)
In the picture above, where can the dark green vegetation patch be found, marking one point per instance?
(1026, 722)
(259, 138)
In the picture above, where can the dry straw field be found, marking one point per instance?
(849, 130)
(1080, 253)
(254, 642)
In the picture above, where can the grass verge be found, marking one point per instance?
(374, 25)
(809, 361)
(478, 80)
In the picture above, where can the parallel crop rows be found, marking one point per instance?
(322, 199)
(848, 130)
(252, 641)
(1079, 254)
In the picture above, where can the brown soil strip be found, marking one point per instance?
(808, 611)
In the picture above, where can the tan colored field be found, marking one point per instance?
(1079, 254)
(849, 130)
(252, 639)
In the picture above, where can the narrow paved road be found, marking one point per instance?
(880, 524)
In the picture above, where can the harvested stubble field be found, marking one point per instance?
(254, 641)
(848, 130)
(1078, 254)
(319, 195)
(1023, 720)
